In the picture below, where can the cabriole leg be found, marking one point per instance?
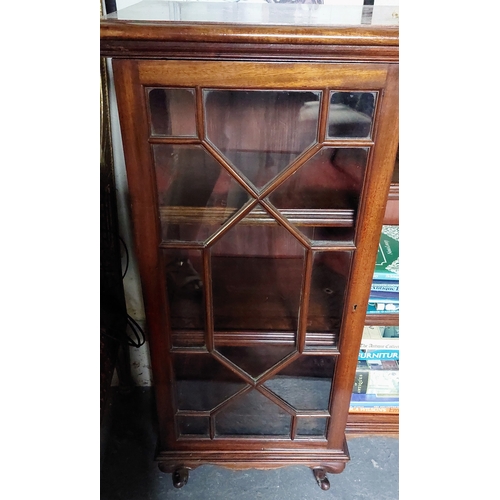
(321, 479)
(180, 477)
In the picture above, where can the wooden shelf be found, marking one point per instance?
(372, 423)
(258, 216)
(382, 320)
(391, 216)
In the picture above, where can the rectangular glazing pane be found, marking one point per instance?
(185, 292)
(311, 426)
(196, 195)
(197, 426)
(351, 114)
(172, 112)
(328, 289)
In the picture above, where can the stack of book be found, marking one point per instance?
(376, 386)
(384, 294)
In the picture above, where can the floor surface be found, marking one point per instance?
(129, 472)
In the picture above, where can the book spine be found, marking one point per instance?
(361, 382)
(373, 399)
(374, 404)
(385, 276)
(375, 409)
(385, 286)
(376, 299)
(384, 296)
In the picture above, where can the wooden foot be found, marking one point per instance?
(321, 479)
(180, 477)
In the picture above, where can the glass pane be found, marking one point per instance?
(185, 292)
(202, 382)
(256, 360)
(305, 384)
(311, 426)
(328, 288)
(257, 278)
(351, 114)
(322, 197)
(261, 132)
(196, 195)
(173, 112)
(252, 414)
(198, 426)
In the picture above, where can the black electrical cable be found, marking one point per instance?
(141, 339)
(126, 255)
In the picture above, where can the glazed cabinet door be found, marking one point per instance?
(257, 191)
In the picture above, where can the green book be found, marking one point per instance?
(387, 265)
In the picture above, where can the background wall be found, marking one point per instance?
(139, 357)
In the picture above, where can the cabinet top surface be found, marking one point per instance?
(250, 29)
(255, 12)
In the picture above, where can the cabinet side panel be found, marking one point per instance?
(134, 129)
(370, 225)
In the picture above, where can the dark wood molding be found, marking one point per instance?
(152, 40)
(261, 458)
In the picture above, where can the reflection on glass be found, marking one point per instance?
(172, 112)
(202, 382)
(255, 360)
(305, 384)
(196, 195)
(328, 288)
(252, 414)
(321, 198)
(351, 114)
(185, 292)
(198, 426)
(311, 426)
(260, 132)
(256, 278)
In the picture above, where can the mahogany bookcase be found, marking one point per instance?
(260, 143)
